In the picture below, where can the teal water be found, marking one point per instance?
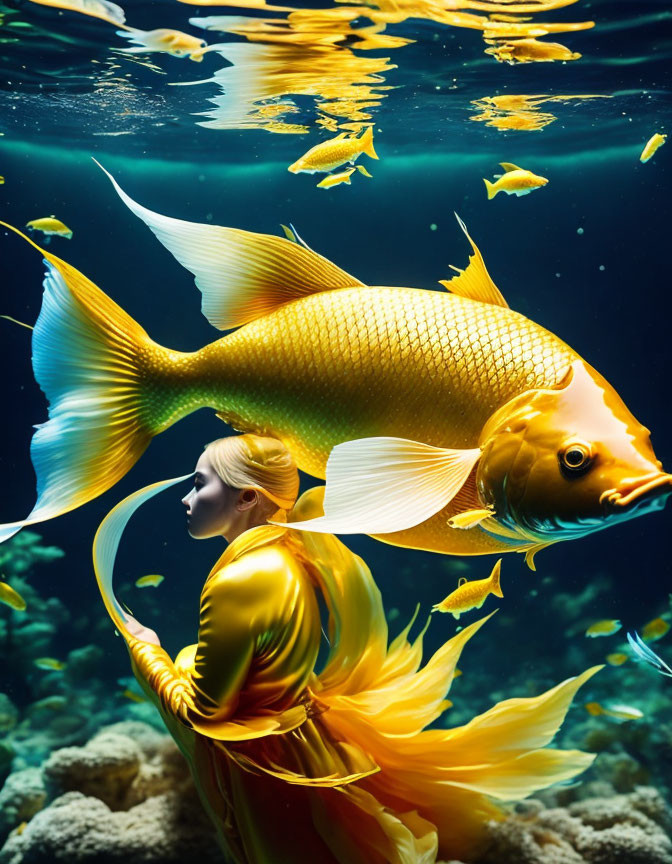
(587, 256)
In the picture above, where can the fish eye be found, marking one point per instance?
(576, 457)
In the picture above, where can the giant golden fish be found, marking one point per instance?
(442, 420)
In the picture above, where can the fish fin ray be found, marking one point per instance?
(381, 485)
(475, 282)
(241, 275)
(85, 350)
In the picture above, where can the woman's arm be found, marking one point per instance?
(241, 602)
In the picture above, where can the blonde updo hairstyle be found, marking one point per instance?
(254, 462)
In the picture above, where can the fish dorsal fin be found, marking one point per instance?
(382, 485)
(461, 581)
(509, 166)
(474, 282)
(241, 275)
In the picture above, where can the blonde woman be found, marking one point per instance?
(329, 766)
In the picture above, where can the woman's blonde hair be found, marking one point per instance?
(254, 462)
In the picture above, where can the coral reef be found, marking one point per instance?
(621, 829)
(124, 796)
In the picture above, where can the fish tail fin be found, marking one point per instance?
(91, 359)
(491, 189)
(367, 143)
(495, 587)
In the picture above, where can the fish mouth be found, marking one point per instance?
(632, 493)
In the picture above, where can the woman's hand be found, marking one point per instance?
(139, 631)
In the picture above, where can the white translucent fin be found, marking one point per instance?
(241, 275)
(85, 351)
(380, 485)
(474, 282)
(106, 543)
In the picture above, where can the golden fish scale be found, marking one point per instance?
(356, 362)
(469, 595)
(332, 153)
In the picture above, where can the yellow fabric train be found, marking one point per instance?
(335, 766)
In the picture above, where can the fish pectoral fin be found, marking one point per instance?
(470, 518)
(382, 485)
(509, 166)
(474, 282)
(530, 554)
(242, 275)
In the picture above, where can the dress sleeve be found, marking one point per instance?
(242, 605)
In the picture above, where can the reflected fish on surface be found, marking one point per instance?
(151, 581)
(515, 181)
(655, 629)
(530, 51)
(606, 627)
(173, 42)
(50, 226)
(10, 597)
(619, 712)
(617, 658)
(327, 155)
(103, 9)
(50, 663)
(654, 142)
(471, 595)
(419, 406)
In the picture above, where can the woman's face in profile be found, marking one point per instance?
(211, 504)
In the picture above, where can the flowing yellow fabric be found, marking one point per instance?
(337, 767)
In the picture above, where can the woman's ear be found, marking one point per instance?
(247, 499)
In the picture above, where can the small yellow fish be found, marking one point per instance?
(2, 180)
(607, 627)
(327, 155)
(152, 581)
(133, 696)
(336, 179)
(50, 226)
(12, 598)
(471, 595)
(173, 42)
(50, 663)
(616, 659)
(515, 181)
(20, 828)
(620, 712)
(655, 629)
(654, 142)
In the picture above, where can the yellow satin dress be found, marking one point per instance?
(337, 767)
